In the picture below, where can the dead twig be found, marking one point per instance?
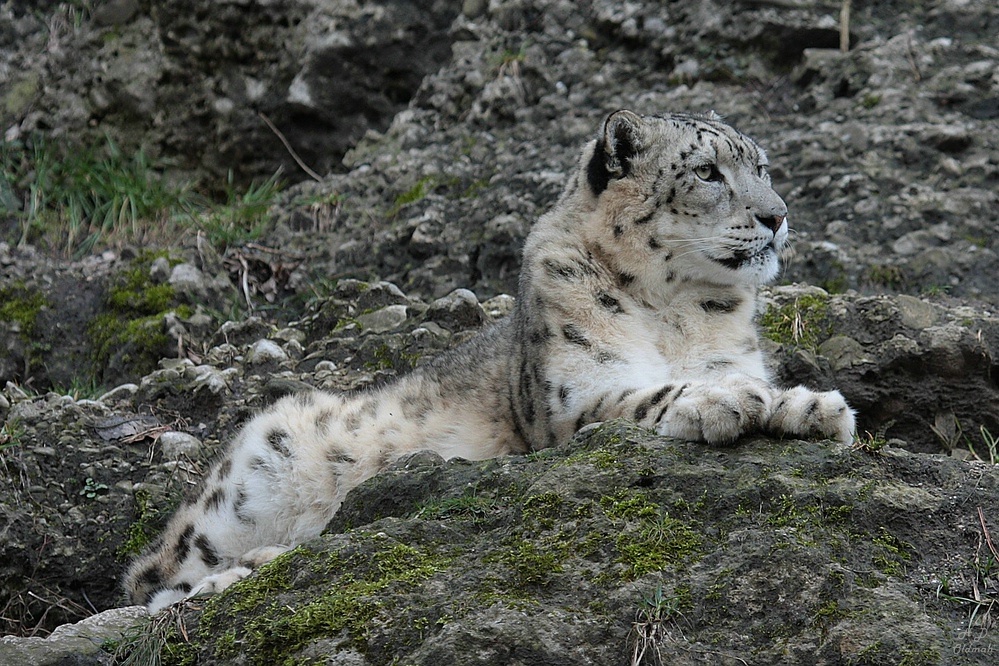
(291, 151)
(245, 282)
(985, 531)
(910, 52)
(844, 26)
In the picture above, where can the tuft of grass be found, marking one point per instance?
(871, 443)
(10, 435)
(160, 639)
(74, 199)
(244, 214)
(990, 446)
(656, 622)
(471, 507)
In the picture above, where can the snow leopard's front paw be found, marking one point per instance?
(718, 413)
(801, 412)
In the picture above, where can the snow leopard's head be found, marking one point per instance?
(689, 194)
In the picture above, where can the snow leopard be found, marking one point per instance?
(637, 299)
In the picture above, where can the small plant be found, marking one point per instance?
(469, 507)
(885, 275)
(655, 622)
(870, 100)
(801, 323)
(936, 290)
(324, 208)
(81, 388)
(92, 488)
(871, 443)
(10, 435)
(74, 199)
(162, 637)
(990, 443)
(509, 61)
(951, 434)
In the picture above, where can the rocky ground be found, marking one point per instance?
(619, 549)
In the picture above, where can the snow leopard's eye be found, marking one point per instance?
(708, 172)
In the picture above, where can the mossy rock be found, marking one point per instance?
(130, 335)
(770, 552)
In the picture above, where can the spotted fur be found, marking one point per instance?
(637, 299)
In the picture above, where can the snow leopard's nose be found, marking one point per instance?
(771, 222)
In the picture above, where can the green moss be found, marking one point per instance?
(648, 539)
(786, 512)
(385, 358)
(657, 545)
(879, 654)
(603, 459)
(418, 191)
(924, 657)
(21, 305)
(471, 507)
(836, 284)
(277, 629)
(21, 94)
(542, 509)
(452, 186)
(890, 554)
(828, 614)
(136, 292)
(132, 325)
(273, 577)
(870, 100)
(531, 564)
(800, 323)
(628, 506)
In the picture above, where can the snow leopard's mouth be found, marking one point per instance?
(742, 258)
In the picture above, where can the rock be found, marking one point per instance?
(590, 553)
(160, 271)
(265, 351)
(894, 368)
(178, 445)
(457, 311)
(115, 12)
(195, 93)
(79, 643)
(383, 319)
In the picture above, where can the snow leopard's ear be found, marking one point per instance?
(617, 144)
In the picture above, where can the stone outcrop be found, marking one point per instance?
(196, 82)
